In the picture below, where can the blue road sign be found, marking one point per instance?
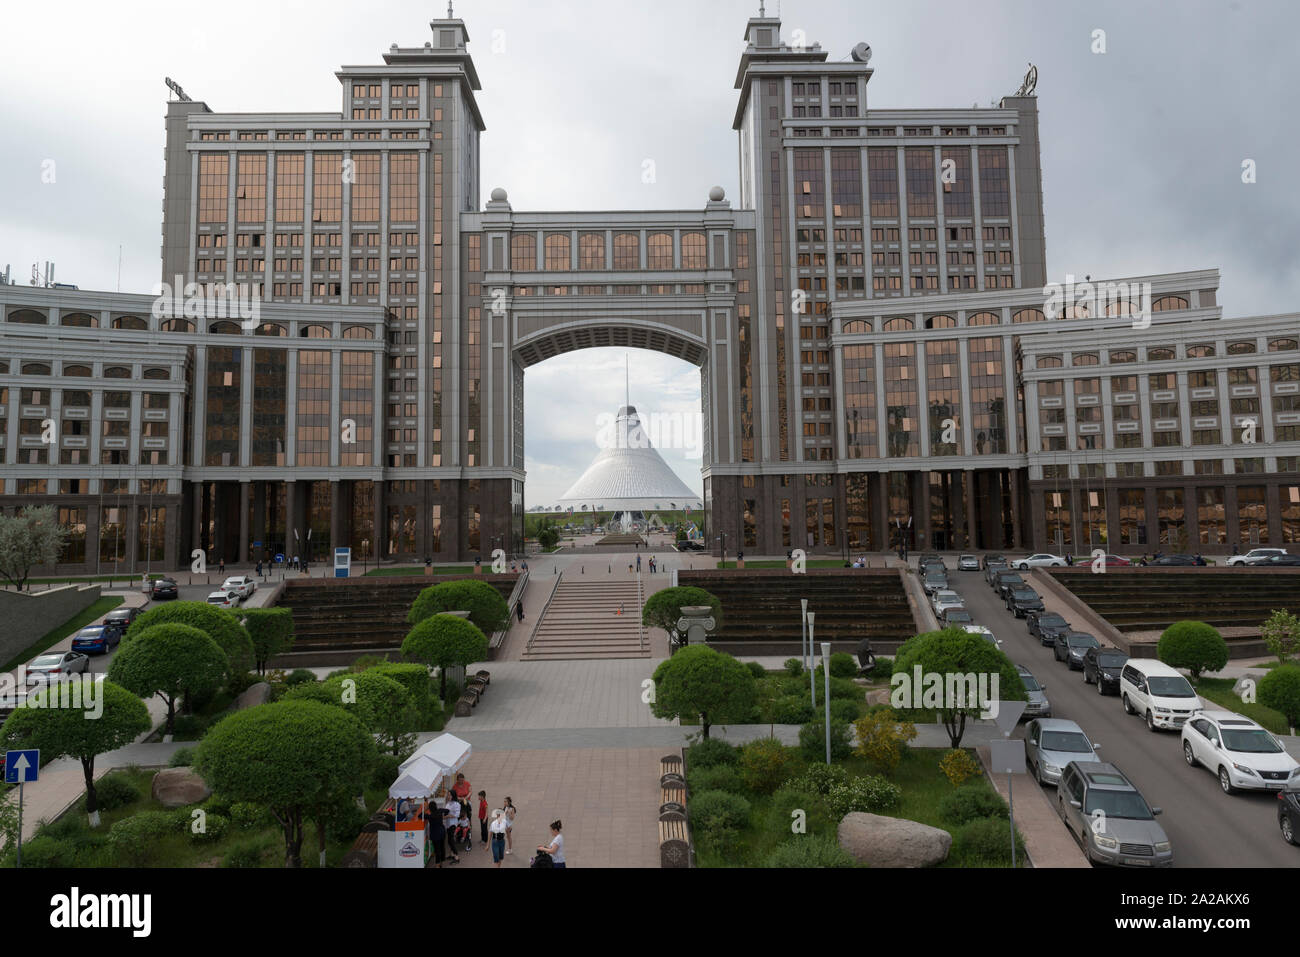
(279, 558)
(22, 766)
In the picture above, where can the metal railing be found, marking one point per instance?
(640, 606)
(538, 623)
(516, 597)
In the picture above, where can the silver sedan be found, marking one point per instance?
(1051, 744)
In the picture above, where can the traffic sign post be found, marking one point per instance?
(21, 767)
(1008, 756)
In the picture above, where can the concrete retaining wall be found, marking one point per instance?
(29, 615)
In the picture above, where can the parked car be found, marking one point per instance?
(1040, 560)
(120, 619)
(990, 559)
(1176, 561)
(1108, 815)
(926, 557)
(1244, 755)
(992, 571)
(241, 585)
(164, 588)
(1253, 555)
(983, 633)
(968, 563)
(957, 616)
(935, 580)
(224, 599)
(944, 599)
(1021, 601)
(1288, 814)
(1072, 646)
(56, 664)
(1275, 561)
(1103, 665)
(1037, 705)
(1051, 744)
(1046, 625)
(94, 640)
(1111, 561)
(689, 546)
(1006, 582)
(1157, 692)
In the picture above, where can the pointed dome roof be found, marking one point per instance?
(629, 473)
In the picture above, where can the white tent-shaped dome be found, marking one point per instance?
(629, 475)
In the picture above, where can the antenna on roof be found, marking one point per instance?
(762, 10)
(451, 15)
(627, 380)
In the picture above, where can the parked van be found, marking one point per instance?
(1157, 692)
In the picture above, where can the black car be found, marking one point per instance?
(1288, 815)
(1045, 626)
(1072, 646)
(690, 546)
(1273, 561)
(994, 569)
(1180, 561)
(1006, 582)
(1102, 666)
(1021, 601)
(164, 588)
(993, 559)
(117, 621)
(927, 561)
(957, 616)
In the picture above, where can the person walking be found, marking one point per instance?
(509, 815)
(519, 610)
(221, 564)
(638, 562)
(438, 835)
(556, 847)
(498, 832)
(451, 819)
(483, 819)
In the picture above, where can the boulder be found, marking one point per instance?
(892, 842)
(259, 693)
(179, 787)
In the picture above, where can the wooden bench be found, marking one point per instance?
(674, 844)
(478, 685)
(670, 800)
(672, 764)
(363, 853)
(467, 702)
(486, 676)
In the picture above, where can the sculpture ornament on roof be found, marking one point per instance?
(1030, 83)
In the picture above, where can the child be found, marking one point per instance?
(463, 830)
(483, 819)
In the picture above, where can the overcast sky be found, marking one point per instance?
(1142, 146)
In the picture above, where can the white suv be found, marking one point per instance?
(1255, 553)
(1243, 754)
(1157, 692)
(242, 585)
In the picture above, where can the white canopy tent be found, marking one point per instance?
(446, 750)
(417, 779)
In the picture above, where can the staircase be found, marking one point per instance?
(581, 622)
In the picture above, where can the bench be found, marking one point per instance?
(466, 703)
(674, 844)
(478, 685)
(671, 764)
(363, 853)
(672, 780)
(484, 676)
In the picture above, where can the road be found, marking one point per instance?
(1207, 827)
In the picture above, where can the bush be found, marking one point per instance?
(246, 816)
(844, 710)
(384, 771)
(882, 738)
(45, 851)
(239, 683)
(987, 841)
(970, 804)
(248, 852)
(756, 669)
(721, 777)
(786, 801)
(1280, 690)
(843, 665)
(134, 838)
(958, 765)
(299, 676)
(810, 850)
(189, 726)
(884, 669)
(819, 779)
(714, 811)
(840, 687)
(710, 753)
(812, 741)
(215, 827)
(870, 794)
(181, 758)
(792, 709)
(765, 764)
(793, 667)
(344, 821)
(1193, 645)
(116, 791)
(217, 804)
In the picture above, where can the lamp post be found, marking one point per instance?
(826, 672)
(803, 631)
(812, 660)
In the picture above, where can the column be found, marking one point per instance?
(1232, 518)
(196, 519)
(971, 478)
(243, 524)
(879, 494)
(259, 520)
(338, 515)
(291, 545)
(379, 538)
(1273, 506)
(1017, 535)
(921, 509)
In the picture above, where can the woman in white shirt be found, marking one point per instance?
(556, 847)
(497, 836)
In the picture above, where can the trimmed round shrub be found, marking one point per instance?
(218, 804)
(1280, 690)
(756, 669)
(869, 793)
(842, 709)
(384, 771)
(812, 740)
(248, 852)
(45, 851)
(116, 791)
(707, 754)
(246, 816)
(299, 676)
(1193, 645)
(181, 758)
(134, 838)
(970, 804)
(487, 609)
(720, 777)
(215, 827)
(987, 841)
(884, 669)
(793, 667)
(715, 811)
(786, 801)
(792, 709)
(765, 764)
(809, 850)
(958, 766)
(843, 665)
(819, 778)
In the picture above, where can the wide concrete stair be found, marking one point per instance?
(581, 622)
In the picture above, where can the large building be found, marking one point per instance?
(374, 398)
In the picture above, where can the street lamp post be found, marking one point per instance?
(826, 670)
(803, 632)
(812, 660)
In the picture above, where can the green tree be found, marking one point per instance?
(1282, 635)
(664, 607)
(170, 660)
(1193, 645)
(220, 625)
(293, 757)
(1280, 690)
(952, 659)
(445, 641)
(700, 680)
(29, 540)
(383, 705)
(548, 536)
(271, 632)
(487, 609)
(67, 727)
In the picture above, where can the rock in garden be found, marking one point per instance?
(259, 693)
(892, 842)
(179, 787)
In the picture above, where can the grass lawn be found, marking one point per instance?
(416, 571)
(1219, 690)
(101, 607)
